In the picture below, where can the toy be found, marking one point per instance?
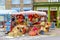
(34, 28)
(16, 31)
(47, 26)
(19, 18)
(23, 30)
(42, 23)
(35, 15)
(32, 33)
(30, 16)
(35, 18)
(41, 30)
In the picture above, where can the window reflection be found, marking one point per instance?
(27, 1)
(27, 8)
(2, 2)
(53, 0)
(15, 1)
(17, 9)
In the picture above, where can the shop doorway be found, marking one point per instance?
(53, 17)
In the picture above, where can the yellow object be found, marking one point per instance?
(11, 34)
(45, 30)
(42, 23)
(46, 25)
(16, 32)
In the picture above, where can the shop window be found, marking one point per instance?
(27, 8)
(2, 2)
(53, 0)
(17, 9)
(27, 1)
(49, 0)
(58, 0)
(15, 1)
(2, 7)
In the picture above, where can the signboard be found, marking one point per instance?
(42, 8)
(1, 18)
(53, 8)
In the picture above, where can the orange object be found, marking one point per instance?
(35, 15)
(32, 33)
(23, 30)
(20, 20)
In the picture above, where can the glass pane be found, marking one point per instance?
(2, 7)
(27, 8)
(2, 2)
(15, 1)
(58, 0)
(27, 1)
(48, 0)
(54, 0)
(17, 9)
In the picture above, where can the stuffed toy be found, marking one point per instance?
(42, 23)
(17, 16)
(20, 18)
(24, 29)
(47, 28)
(35, 28)
(41, 30)
(36, 16)
(32, 33)
(49, 24)
(30, 16)
(17, 31)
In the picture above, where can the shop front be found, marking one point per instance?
(52, 10)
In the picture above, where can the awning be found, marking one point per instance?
(31, 12)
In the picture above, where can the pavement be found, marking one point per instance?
(55, 31)
(51, 35)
